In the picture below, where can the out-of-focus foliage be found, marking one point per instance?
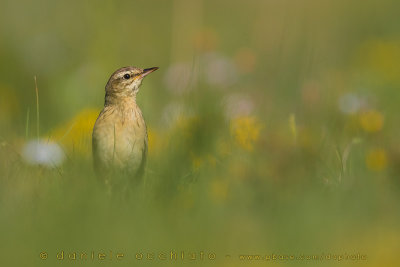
(273, 128)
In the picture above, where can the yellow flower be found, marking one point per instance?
(371, 121)
(197, 162)
(383, 58)
(246, 60)
(245, 131)
(376, 159)
(76, 134)
(206, 40)
(156, 142)
(219, 190)
(206, 161)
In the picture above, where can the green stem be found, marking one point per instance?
(27, 124)
(37, 109)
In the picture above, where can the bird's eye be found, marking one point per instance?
(127, 76)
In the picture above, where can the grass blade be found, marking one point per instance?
(37, 108)
(27, 124)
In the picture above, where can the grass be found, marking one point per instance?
(201, 199)
(73, 213)
(226, 189)
(37, 110)
(27, 124)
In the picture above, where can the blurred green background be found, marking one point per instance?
(272, 130)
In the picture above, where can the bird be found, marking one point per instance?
(119, 138)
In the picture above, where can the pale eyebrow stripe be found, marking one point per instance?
(120, 76)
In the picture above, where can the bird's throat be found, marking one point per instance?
(120, 99)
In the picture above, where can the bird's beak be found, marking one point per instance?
(148, 71)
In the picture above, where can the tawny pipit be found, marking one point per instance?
(119, 135)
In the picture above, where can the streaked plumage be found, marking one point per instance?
(119, 135)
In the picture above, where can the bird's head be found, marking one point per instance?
(125, 82)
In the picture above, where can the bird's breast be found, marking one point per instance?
(120, 136)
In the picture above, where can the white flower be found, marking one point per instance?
(173, 112)
(39, 152)
(212, 68)
(180, 77)
(350, 103)
(219, 70)
(237, 105)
